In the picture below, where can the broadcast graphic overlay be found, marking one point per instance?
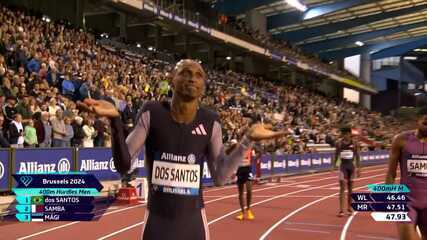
(55, 197)
(386, 202)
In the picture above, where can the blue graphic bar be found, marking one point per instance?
(379, 197)
(56, 191)
(57, 181)
(380, 207)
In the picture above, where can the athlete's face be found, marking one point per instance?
(188, 79)
(422, 123)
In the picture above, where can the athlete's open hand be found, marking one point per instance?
(101, 108)
(259, 132)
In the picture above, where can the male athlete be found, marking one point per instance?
(409, 150)
(244, 178)
(178, 137)
(347, 150)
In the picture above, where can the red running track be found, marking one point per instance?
(299, 207)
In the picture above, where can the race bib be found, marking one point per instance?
(347, 154)
(176, 178)
(417, 165)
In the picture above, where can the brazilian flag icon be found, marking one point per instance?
(36, 200)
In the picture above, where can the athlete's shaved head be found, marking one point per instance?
(188, 80)
(188, 62)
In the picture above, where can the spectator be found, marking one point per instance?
(129, 112)
(58, 129)
(38, 125)
(34, 106)
(6, 89)
(76, 141)
(33, 65)
(4, 143)
(16, 132)
(23, 108)
(44, 131)
(89, 133)
(99, 127)
(9, 109)
(69, 132)
(53, 107)
(30, 134)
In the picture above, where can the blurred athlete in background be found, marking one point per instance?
(347, 150)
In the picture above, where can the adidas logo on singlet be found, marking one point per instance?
(199, 130)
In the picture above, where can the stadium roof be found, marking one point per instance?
(332, 28)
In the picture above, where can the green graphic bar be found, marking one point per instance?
(23, 199)
(392, 188)
(23, 208)
(23, 217)
(56, 191)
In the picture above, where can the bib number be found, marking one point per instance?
(417, 165)
(176, 178)
(347, 155)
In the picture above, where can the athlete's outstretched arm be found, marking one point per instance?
(126, 152)
(394, 159)
(220, 165)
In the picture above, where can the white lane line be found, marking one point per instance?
(120, 231)
(346, 226)
(313, 224)
(306, 230)
(47, 230)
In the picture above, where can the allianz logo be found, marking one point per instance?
(316, 161)
(306, 162)
(279, 164)
(63, 165)
(266, 165)
(293, 163)
(327, 160)
(93, 165)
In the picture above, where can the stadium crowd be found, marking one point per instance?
(46, 68)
